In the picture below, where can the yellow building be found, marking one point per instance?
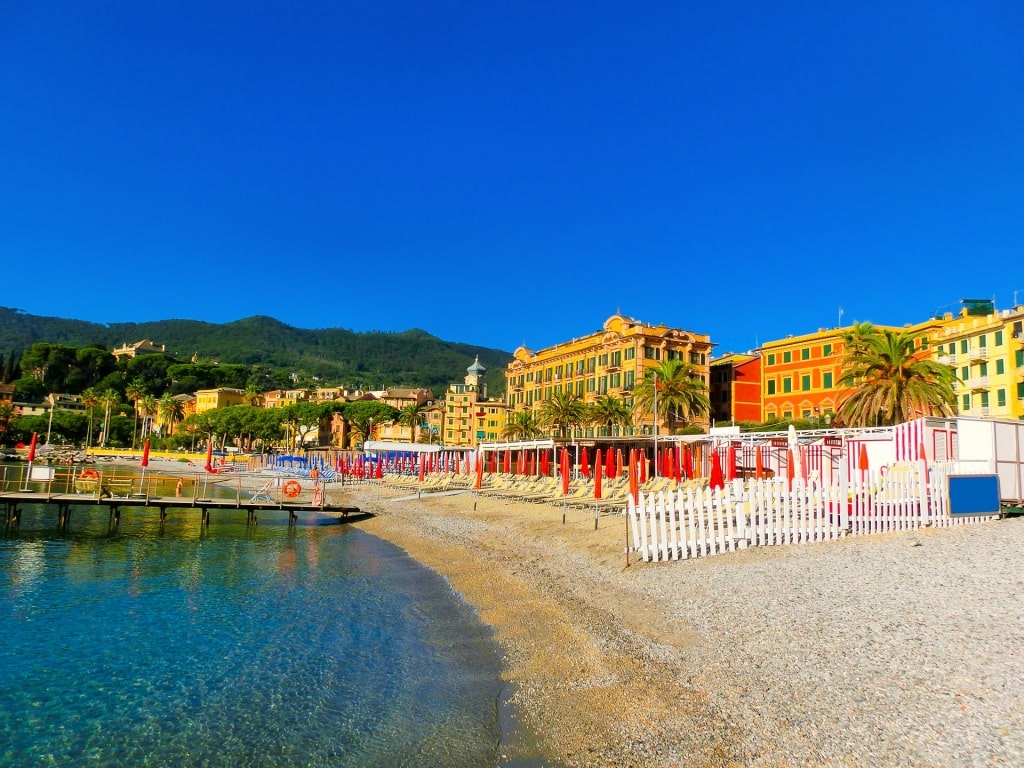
(986, 349)
(470, 417)
(222, 397)
(608, 362)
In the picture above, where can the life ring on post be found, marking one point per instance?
(291, 489)
(89, 474)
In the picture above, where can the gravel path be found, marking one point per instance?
(903, 649)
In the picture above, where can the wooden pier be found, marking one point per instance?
(115, 491)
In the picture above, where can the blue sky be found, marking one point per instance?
(737, 169)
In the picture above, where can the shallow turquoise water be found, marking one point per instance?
(234, 646)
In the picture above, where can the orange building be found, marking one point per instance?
(735, 388)
(800, 374)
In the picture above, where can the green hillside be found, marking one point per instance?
(336, 356)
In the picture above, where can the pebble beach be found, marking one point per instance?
(898, 649)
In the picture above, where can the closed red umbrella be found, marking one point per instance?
(862, 463)
(479, 472)
(634, 480)
(506, 462)
(145, 454)
(493, 461)
(585, 464)
(641, 461)
(618, 463)
(544, 463)
(609, 464)
(803, 463)
(758, 463)
(32, 448)
(790, 468)
(565, 471)
(688, 463)
(597, 475)
(730, 471)
(423, 468)
(209, 456)
(716, 480)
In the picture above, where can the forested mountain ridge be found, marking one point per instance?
(371, 360)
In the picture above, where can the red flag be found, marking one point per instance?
(145, 454)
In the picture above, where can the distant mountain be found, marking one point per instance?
(337, 356)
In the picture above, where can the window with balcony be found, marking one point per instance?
(982, 341)
(1001, 398)
(984, 399)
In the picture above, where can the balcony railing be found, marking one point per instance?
(979, 382)
(979, 353)
(947, 359)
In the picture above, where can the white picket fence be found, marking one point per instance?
(699, 522)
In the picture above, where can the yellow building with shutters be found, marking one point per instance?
(986, 349)
(607, 362)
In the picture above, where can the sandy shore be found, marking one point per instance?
(897, 649)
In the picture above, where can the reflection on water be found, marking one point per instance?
(232, 645)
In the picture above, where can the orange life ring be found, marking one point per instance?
(292, 489)
(89, 474)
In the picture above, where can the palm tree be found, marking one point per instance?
(411, 416)
(609, 411)
(90, 399)
(252, 396)
(169, 411)
(362, 428)
(108, 400)
(887, 383)
(680, 393)
(523, 425)
(147, 409)
(564, 411)
(134, 392)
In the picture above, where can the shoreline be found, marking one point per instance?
(897, 648)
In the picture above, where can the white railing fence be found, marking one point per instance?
(699, 522)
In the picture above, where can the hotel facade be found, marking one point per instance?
(607, 362)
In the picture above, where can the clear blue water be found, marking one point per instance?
(234, 646)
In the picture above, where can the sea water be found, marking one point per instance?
(234, 645)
